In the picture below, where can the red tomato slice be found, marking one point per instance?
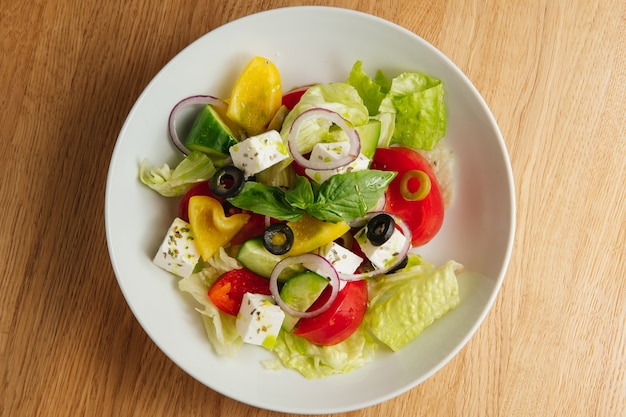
(338, 322)
(291, 98)
(423, 217)
(228, 291)
(254, 228)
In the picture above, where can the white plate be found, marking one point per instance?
(309, 44)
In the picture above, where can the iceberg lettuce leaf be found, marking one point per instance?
(372, 91)
(220, 327)
(403, 308)
(314, 361)
(415, 99)
(418, 102)
(194, 168)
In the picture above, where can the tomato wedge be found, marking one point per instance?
(291, 98)
(420, 205)
(228, 291)
(338, 322)
(254, 228)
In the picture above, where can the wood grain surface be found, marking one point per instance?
(552, 71)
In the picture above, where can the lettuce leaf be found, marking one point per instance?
(194, 168)
(418, 101)
(372, 91)
(415, 99)
(220, 327)
(387, 125)
(408, 303)
(314, 361)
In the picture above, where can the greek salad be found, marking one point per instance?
(301, 214)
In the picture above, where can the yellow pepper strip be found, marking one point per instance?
(211, 227)
(256, 96)
(310, 233)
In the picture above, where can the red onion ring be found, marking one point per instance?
(315, 263)
(183, 104)
(404, 251)
(334, 117)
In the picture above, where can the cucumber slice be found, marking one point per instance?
(253, 255)
(369, 134)
(300, 292)
(210, 134)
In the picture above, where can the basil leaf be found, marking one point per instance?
(263, 199)
(345, 197)
(301, 194)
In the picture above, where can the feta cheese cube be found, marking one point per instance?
(258, 153)
(332, 152)
(381, 256)
(344, 261)
(259, 320)
(178, 253)
(327, 152)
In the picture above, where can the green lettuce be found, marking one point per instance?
(196, 167)
(416, 100)
(410, 300)
(314, 361)
(387, 126)
(221, 328)
(372, 91)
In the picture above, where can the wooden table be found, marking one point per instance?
(554, 74)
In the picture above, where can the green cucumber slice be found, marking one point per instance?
(300, 292)
(210, 134)
(253, 256)
(369, 134)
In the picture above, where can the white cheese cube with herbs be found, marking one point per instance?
(342, 259)
(384, 255)
(259, 320)
(331, 152)
(178, 253)
(258, 153)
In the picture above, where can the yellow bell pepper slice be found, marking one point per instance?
(310, 233)
(211, 227)
(256, 96)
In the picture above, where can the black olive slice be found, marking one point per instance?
(278, 238)
(402, 264)
(380, 228)
(227, 182)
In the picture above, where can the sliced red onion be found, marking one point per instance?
(183, 104)
(404, 251)
(314, 263)
(334, 117)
